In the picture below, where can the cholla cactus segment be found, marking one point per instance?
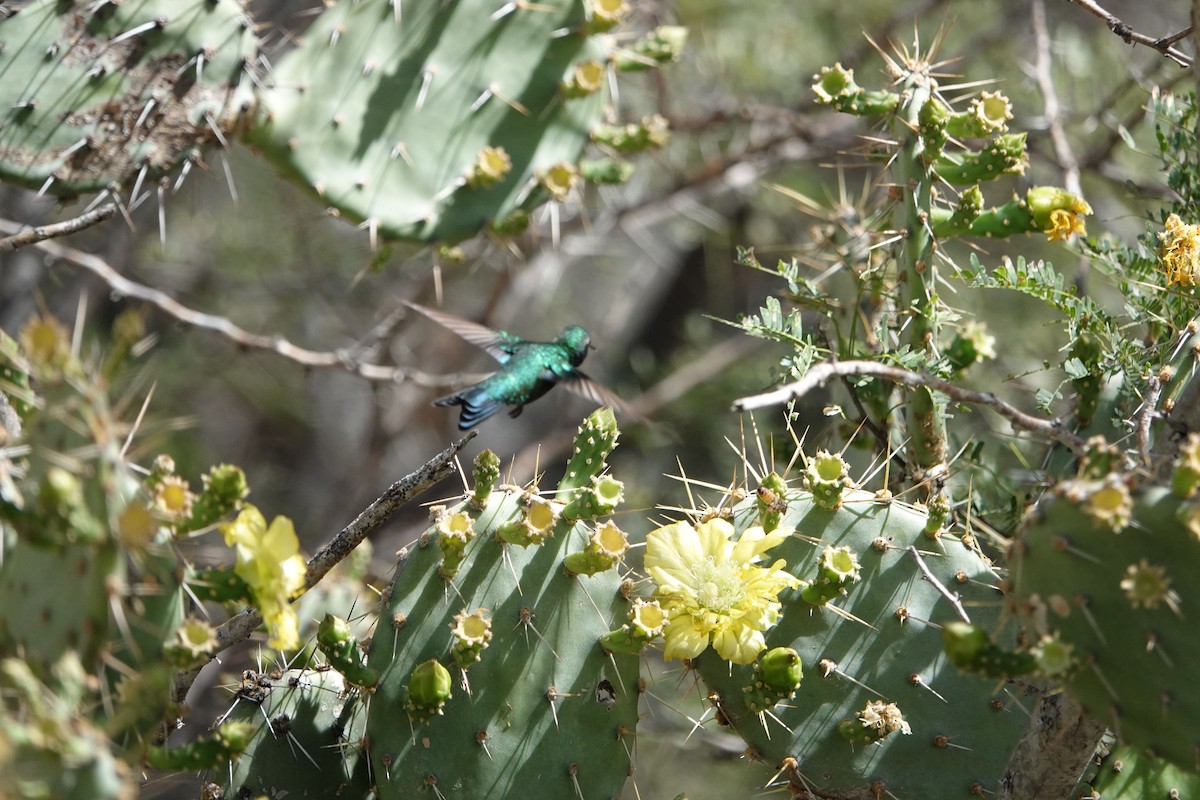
(472, 633)
(834, 86)
(341, 648)
(224, 489)
(226, 744)
(596, 438)
(713, 588)
(958, 220)
(1179, 249)
(608, 171)
(1004, 155)
(605, 549)
(660, 46)
(1185, 481)
(652, 131)
(485, 472)
(827, 476)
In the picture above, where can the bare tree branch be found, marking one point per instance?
(44, 232)
(1130, 36)
(819, 374)
(347, 358)
(239, 627)
(1051, 109)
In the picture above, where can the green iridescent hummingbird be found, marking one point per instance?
(527, 369)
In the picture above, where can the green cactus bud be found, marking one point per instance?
(229, 741)
(606, 547)
(652, 131)
(534, 526)
(514, 224)
(224, 489)
(341, 648)
(472, 634)
(837, 569)
(1186, 479)
(931, 126)
(939, 510)
(491, 166)
(948, 223)
(1056, 211)
(428, 690)
(1108, 503)
(988, 115)
(1054, 657)
(646, 621)
(1004, 155)
(610, 171)
(834, 86)
(660, 46)
(585, 78)
(192, 644)
(827, 476)
(776, 677)
(971, 345)
(597, 500)
(454, 532)
(218, 585)
(559, 180)
(603, 15)
(771, 501)
(485, 472)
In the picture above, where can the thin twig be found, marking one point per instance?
(1051, 109)
(946, 593)
(239, 627)
(1146, 415)
(819, 374)
(348, 358)
(1130, 36)
(44, 232)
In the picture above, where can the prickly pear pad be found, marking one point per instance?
(846, 663)
(385, 118)
(547, 707)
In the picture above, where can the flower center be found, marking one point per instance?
(718, 586)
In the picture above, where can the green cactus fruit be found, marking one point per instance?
(224, 489)
(827, 477)
(543, 704)
(375, 116)
(777, 676)
(834, 86)
(485, 472)
(971, 649)
(341, 648)
(308, 739)
(836, 570)
(1004, 155)
(610, 171)
(652, 131)
(606, 547)
(1185, 481)
(534, 526)
(455, 531)
(118, 93)
(1123, 603)
(950, 222)
(597, 500)
(932, 119)
(646, 621)
(987, 115)
(771, 498)
(878, 643)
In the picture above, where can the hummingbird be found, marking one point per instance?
(527, 369)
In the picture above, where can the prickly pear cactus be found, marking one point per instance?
(1105, 573)
(308, 737)
(492, 677)
(97, 95)
(880, 710)
(436, 123)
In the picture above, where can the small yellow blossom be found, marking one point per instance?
(1180, 251)
(713, 590)
(173, 498)
(269, 561)
(1063, 224)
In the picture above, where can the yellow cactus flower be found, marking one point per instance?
(269, 561)
(1180, 251)
(712, 589)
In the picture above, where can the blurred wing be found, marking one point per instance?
(585, 387)
(498, 344)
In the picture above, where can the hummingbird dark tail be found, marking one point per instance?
(476, 406)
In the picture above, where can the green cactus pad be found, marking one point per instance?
(89, 97)
(900, 657)
(384, 119)
(1127, 604)
(313, 745)
(543, 706)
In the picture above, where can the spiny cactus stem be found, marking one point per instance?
(1052, 428)
(946, 593)
(238, 628)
